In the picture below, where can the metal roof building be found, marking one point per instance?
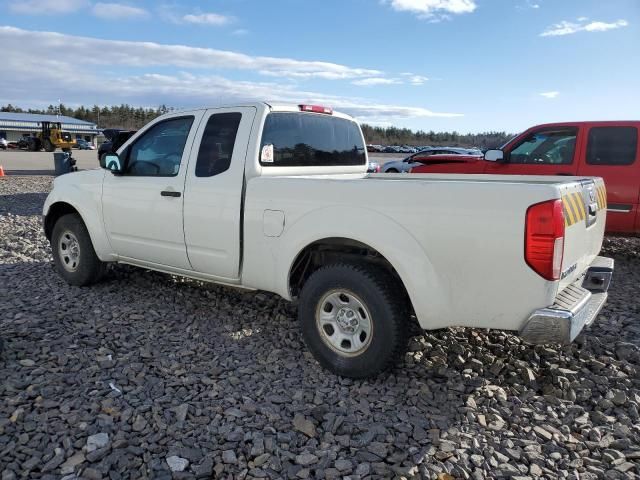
(14, 126)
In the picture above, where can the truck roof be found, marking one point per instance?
(273, 107)
(587, 122)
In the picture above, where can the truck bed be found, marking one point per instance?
(460, 237)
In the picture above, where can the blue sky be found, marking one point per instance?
(465, 65)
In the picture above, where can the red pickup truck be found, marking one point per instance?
(601, 149)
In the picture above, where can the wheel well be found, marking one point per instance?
(56, 211)
(333, 250)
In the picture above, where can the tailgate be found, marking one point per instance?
(585, 209)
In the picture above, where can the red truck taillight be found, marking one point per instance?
(544, 238)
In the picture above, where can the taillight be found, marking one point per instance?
(316, 109)
(544, 238)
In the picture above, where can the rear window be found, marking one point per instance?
(311, 140)
(612, 145)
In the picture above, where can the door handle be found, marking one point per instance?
(170, 193)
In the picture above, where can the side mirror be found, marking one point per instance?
(112, 162)
(494, 156)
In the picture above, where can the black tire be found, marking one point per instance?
(49, 146)
(374, 289)
(83, 269)
(392, 170)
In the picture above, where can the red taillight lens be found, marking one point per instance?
(316, 109)
(544, 238)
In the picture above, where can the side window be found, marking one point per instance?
(158, 152)
(546, 147)
(310, 140)
(216, 147)
(612, 145)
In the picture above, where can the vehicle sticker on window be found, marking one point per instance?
(267, 153)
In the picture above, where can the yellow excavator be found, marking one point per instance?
(51, 137)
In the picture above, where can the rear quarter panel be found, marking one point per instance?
(457, 244)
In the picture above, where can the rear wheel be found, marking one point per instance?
(392, 170)
(73, 253)
(49, 146)
(352, 319)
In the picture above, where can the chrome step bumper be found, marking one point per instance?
(575, 307)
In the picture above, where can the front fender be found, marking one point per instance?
(382, 233)
(85, 198)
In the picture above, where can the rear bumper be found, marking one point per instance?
(574, 308)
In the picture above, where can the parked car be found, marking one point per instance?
(115, 138)
(374, 148)
(373, 167)
(3, 143)
(24, 143)
(84, 145)
(228, 195)
(406, 164)
(391, 149)
(606, 149)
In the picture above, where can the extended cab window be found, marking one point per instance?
(554, 147)
(311, 140)
(612, 145)
(158, 151)
(216, 147)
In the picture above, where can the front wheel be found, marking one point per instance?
(73, 253)
(353, 320)
(392, 170)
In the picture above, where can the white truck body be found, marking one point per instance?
(456, 242)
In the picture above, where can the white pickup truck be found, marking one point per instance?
(276, 198)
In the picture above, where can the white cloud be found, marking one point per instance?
(240, 32)
(409, 78)
(98, 80)
(373, 81)
(603, 26)
(207, 19)
(148, 54)
(418, 80)
(552, 94)
(432, 8)
(581, 25)
(118, 11)
(46, 7)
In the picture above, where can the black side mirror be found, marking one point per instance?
(112, 162)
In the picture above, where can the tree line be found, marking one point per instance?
(132, 118)
(116, 116)
(405, 136)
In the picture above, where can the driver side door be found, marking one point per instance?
(142, 207)
(547, 151)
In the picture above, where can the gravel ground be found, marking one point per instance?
(151, 376)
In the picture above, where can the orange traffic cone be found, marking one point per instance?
(1, 171)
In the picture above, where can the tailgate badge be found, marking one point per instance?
(568, 271)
